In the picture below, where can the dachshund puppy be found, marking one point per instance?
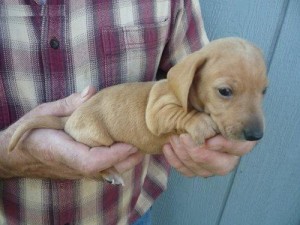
(218, 89)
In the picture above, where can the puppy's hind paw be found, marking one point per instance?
(113, 177)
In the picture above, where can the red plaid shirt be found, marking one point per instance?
(48, 52)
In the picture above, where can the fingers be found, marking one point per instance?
(238, 148)
(213, 158)
(66, 106)
(90, 162)
(130, 162)
(120, 156)
(175, 161)
(65, 153)
(59, 156)
(101, 158)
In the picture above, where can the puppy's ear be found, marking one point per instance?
(180, 77)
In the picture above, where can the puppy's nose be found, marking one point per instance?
(253, 134)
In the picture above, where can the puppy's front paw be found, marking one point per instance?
(201, 127)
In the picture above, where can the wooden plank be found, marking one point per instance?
(201, 201)
(191, 201)
(256, 20)
(266, 189)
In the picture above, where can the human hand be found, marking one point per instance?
(47, 153)
(218, 156)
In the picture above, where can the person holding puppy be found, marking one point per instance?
(50, 51)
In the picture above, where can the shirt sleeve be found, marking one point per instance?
(187, 35)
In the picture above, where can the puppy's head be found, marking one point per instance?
(227, 80)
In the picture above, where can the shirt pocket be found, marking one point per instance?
(15, 10)
(18, 41)
(132, 53)
(15, 21)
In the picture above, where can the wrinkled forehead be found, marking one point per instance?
(235, 47)
(236, 64)
(242, 57)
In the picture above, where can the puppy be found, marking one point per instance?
(218, 89)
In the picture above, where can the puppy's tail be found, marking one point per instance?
(49, 122)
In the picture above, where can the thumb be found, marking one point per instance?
(65, 106)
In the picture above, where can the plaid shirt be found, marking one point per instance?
(48, 52)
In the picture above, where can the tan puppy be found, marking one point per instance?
(218, 89)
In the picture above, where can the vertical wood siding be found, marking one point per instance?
(265, 188)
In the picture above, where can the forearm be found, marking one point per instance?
(8, 160)
(5, 172)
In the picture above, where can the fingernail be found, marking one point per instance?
(175, 140)
(85, 92)
(187, 140)
(202, 146)
(133, 150)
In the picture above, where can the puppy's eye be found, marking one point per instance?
(225, 92)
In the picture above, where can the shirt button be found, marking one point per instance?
(54, 43)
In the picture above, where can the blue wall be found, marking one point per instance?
(265, 188)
